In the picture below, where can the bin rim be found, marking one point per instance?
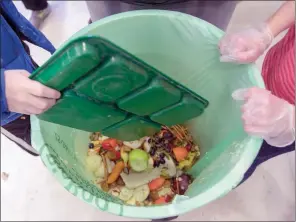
(226, 184)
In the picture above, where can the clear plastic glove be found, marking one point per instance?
(27, 96)
(267, 116)
(245, 46)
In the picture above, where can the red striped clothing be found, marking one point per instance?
(278, 68)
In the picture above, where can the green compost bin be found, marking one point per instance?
(185, 48)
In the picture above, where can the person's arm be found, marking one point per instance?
(247, 45)
(282, 19)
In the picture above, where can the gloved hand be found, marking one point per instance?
(27, 96)
(245, 46)
(267, 116)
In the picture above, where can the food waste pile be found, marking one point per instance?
(145, 172)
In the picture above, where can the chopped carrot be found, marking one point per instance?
(161, 200)
(180, 153)
(156, 183)
(116, 172)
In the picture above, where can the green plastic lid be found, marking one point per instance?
(106, 89)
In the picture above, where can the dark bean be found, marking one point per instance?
(158, 145)
(152, 152)
(149, 199)
(91, 146)
(188, 147)
(162, 155)
(149, 140)
(168, 149)
(156, 163)
(168, 135)
(157, 140)
(162, 161)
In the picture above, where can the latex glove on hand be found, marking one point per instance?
(27, 96)
(245, 46)
(267, 116)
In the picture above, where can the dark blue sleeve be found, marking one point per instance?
(4, 107)
(25, 27)
(6, 115)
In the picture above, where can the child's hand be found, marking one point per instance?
(27, 96)
(245, 46)
(267, 116)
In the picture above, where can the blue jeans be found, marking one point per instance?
(266, 152)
